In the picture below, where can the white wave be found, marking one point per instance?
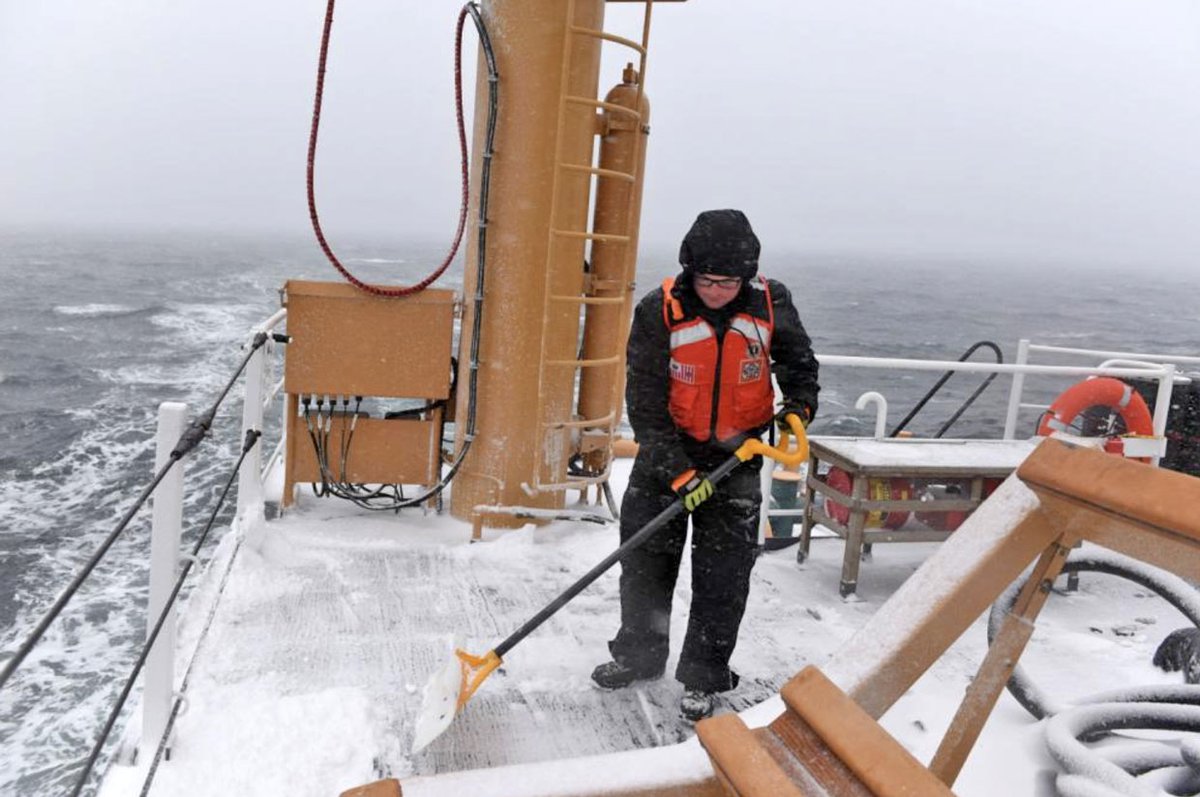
(211, 323)
(384, 260)
(94, 310)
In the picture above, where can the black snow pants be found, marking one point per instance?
(724, 540)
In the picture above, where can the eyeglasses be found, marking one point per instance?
(705, 281)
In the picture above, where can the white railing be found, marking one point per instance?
(167, 524)
(166, 528)
(1164, 372)
(258, 399)
(1161, 367)
(1146, 363)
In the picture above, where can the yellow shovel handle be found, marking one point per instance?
(788, 459)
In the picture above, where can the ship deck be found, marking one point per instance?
(326, 622)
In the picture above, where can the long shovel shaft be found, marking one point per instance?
(646, 532)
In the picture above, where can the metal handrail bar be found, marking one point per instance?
(1165, 374)
(937, 386)
(606, 106)
(273, 321)
(609, 37)
(1119, 363)
(1165, 377)
(1172, 358)
(269, 462)
(251, 481)
(272, 394)
(999, 368)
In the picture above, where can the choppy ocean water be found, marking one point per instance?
(97, 331)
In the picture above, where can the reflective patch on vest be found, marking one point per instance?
(692, 333)
(751, 370)
(683, 372)
(751, 330)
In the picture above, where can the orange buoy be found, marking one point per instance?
(1103, 392)
(877, 490)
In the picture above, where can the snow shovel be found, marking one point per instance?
(449, 689)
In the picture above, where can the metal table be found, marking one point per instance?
(866, 459)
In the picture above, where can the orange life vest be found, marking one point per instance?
(723, 391)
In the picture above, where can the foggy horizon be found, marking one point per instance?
(1027, 132)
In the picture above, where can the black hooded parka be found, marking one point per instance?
(725, 527)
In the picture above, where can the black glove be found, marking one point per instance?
(804, 413)
(693, 487)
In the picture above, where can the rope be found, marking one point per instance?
(312, 156)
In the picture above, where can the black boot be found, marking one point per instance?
(614, 675)
(696, 704)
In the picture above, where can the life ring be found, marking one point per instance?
(1100, 391)
(894, 489)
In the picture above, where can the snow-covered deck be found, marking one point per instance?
(331, 619)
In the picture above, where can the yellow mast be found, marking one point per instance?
(535, 287)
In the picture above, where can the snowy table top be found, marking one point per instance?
(924, 456)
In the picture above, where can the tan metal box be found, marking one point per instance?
(398, 451)
(350, 343)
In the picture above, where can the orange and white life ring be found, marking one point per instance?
(1099, 391)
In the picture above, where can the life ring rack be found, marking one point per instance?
(1098, 391)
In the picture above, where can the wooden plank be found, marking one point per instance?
(390, 787)
(1142, 511)
(741, 761)
(952, 588)
(998, 664)
(857, 740)
(820, 771)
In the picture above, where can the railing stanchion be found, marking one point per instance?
(1162, 405)
(250, 488)
(1014, 393)
(166, 530)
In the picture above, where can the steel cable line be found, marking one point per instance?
(190, 438)
(252, 437)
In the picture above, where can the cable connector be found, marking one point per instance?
(191, 436)
(252, 436)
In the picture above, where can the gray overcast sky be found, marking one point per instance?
(1065, 128)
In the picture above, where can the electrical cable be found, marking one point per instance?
(481, 259)
(320, 432)
(1131, 769)
(1168, 586)
(486, 156)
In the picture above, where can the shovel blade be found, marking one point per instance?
(448, 691)
(439, 703)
